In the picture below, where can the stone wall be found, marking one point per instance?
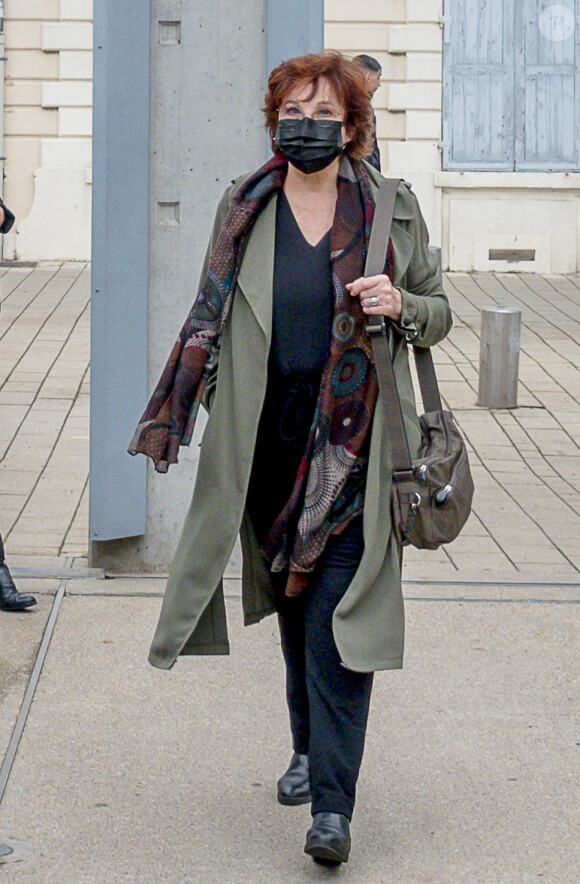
(405, 38)
(48, 127)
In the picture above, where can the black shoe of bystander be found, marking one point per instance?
(10, 598)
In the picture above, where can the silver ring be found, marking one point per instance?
(373, 301)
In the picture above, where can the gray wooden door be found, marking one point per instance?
(478, 94)
(548, 85)
(511, 85)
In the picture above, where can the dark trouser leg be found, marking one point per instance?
(339, 698)
(328, 704)
(1, 551)
(291, 622)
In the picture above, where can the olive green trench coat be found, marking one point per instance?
(369, 621)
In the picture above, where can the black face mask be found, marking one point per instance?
(310, 145)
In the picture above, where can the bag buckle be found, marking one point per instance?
(376, 326)
(404, 476)
(407, 477)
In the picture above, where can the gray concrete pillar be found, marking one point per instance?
(205, 76)
(207, 83)
(499, 357)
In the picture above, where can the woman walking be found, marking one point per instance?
(294, 455)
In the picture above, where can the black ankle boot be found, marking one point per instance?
(328, 841)
(294, 785)
(10, 598)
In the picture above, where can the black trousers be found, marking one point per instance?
(328, 703)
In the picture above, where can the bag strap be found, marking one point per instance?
(427, 379)
(378, 331)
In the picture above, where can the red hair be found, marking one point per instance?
(348, 83)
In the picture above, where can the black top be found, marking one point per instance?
(303, 307)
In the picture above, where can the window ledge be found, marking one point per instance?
(508, 180)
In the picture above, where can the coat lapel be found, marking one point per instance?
(256, 276)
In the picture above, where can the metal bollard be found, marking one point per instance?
(499, 357)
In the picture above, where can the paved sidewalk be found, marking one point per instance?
(44, 413)
(128, 774)
(526, 461)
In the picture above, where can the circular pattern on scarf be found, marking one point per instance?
(350, 373)
(343, 327)
(317, 487)
(208, 304)
(349, 419)
(326, 476)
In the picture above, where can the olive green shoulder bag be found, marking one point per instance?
(431, 496)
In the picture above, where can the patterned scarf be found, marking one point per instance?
(329, 488)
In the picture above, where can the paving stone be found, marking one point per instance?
(17, 481)
(23, 545)
(37, 562)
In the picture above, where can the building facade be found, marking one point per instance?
(47, 128)
(479, 109)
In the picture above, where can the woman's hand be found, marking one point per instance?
(377, 295)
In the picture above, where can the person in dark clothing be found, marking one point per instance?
(372, 73)
(295, 457)
(10, 598)
(6, 218)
